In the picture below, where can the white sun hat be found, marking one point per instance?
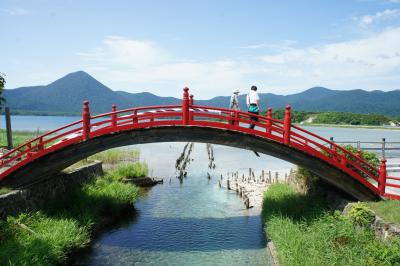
(236, 91)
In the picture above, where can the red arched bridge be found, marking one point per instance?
(53, 151)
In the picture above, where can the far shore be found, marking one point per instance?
(349, 126)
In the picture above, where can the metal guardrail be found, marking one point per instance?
(383, 146)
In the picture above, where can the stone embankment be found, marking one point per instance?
(251, 188)
(38, 194)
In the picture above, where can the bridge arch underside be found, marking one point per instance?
(50, 164)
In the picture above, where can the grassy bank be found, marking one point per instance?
(389, 210)
(47, 237)
(336, 118)
(306, 232)
(349, 126)
(19, 137)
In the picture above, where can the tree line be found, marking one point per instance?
(336, 118)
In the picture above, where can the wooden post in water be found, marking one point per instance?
(8, 128)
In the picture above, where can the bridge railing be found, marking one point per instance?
(190, 114)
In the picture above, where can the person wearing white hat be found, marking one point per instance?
(234, 103)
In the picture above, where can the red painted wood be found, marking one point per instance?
(382, 177)
(86, 121)
(287, 124)
(189, 114)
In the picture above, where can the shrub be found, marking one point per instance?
(371, 157)
(305, 232)
(360, 214)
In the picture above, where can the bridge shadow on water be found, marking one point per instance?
(189, 234)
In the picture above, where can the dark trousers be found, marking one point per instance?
(255, 119)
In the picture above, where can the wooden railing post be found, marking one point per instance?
(287, 124)
(269, 121)
(343, 160)
(86, 121)
(334, 152)
(29, 148)
(134, 119)
(382, 177)
(236, 118)
(40, 145)
(114, 116)
(185, 106)
(191, 102)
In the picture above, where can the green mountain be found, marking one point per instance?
(65, 96)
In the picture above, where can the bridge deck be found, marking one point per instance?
(188, 114)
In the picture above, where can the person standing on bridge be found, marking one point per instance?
(253, 104)
(234, 103)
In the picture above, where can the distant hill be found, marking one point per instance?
(65, 96)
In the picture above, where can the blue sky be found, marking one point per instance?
(213, 47)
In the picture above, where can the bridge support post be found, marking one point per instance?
(86, 121)
(114, 116)
(269, 121)
(191, 102)
(287, 124)
(185, 106)
(382, 177)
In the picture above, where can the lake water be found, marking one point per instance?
(196, 222)
(193, 223)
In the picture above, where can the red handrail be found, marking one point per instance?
(281, 131)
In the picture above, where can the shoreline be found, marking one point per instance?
(347, 126)
(252, 188)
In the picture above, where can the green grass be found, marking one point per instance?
(19, 137)
(4, 190)
(305, 232)
(115, 156)
(133, 170)
(389, 210)
(48, 236)
(36, 239)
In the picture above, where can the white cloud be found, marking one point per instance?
(17, 11)
(341, 64)
(132, 65)
(275, 46)
(121, 50)
(387, 14)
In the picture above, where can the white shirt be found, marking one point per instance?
(252, 97)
